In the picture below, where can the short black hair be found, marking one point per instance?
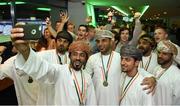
(65, 35)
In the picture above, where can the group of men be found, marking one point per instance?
(70, 75)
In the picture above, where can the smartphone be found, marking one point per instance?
(31, 31)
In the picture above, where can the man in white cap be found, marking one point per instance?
(168, 75)
(105, 69)
(72, 85)
(161, 34)
(131, 78)
(149, 59)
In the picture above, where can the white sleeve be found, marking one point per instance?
(136, 33)
(91, 97)
(176, 91)
(37, 68)
(89, 67)
(147, 99)
(6, 68)
(158, 95)
(144, 73)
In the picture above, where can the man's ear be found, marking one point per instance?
(137, 63)
(166, 35)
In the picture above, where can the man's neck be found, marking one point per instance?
(61, 53)
(132, 73)
(167, 65)
(106, 53)
(148, 53)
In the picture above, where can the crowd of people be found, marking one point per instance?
(94, 66)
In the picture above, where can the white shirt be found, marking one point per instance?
(132, 93)
(148, 63)
(26, 92)
(168, 92)
(105, 95)
(60, 76)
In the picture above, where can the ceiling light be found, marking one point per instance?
(164, 12)
(44, 9)
(120, 10)
(144, 10)
(8, 3)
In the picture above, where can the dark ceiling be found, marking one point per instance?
(156, 7)
(160, 8)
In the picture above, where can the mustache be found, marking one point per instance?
(140, 47)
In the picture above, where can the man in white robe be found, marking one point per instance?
(44, 93)
(131, 89)
(104, 67)
(168, 75)
(72, 85)
(59, 55)
(26, 91)
(161, 34)
(149, 59)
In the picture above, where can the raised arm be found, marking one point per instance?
(63, 19)
(29, 62)
(50, 28)
(137, 29)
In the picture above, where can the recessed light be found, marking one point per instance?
(164, 12)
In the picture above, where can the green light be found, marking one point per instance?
(104, 16)
(8, 3)
(120, 10)
(144, 10)
(20, 2)
(3, 3)
(44, 9)
(90, 12)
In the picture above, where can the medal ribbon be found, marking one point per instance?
(147, 64)
(127, 86)
(80, 92)
(60, 61)
(105, 73)
(162, 72)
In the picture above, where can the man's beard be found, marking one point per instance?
(144, 51)
(162, 62)
(77, 65)
(61, 50)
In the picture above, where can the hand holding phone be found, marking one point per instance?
(31, 31)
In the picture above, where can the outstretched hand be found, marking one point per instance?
(64, 17)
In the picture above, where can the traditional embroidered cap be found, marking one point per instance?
(131, 51)
(167, 46)
(148, 38)
(103, 34)
(80, 46)
(65, 35)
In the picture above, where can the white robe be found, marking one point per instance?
(105, 95)
(149, 64)
(59, 75)
(168, 92)
(26, 92)
(135, 95)
(52, 57)
(47, 91)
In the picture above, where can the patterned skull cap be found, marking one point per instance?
(167, 46)
(131, 51)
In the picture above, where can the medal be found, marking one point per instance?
(30, 80)
(105, 83)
